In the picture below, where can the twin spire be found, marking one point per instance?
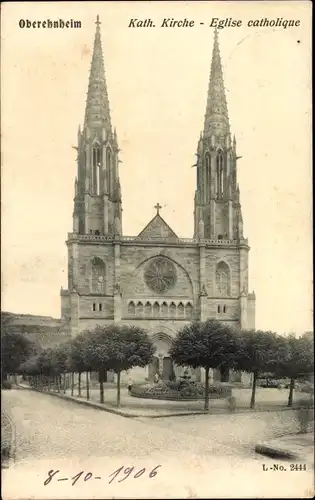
(97, 112)
(216, 117)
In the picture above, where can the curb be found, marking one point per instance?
(110, 410)
(269, 451)
(139, 415)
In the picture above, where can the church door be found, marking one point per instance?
(167, 368)
(153, 368)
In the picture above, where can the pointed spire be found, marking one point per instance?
(97, 111)
(216, 118)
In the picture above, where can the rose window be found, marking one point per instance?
(160, 275)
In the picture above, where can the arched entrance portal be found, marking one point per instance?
(162, 363)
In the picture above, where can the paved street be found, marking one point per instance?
(196, 454)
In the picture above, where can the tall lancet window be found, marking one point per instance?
(109, 168)
(97, 276)
(96, 169)
(208, 175)
(222, 278)
(219, 166)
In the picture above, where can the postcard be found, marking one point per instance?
(157, 323)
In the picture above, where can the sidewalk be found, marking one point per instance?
(133, 407)
(292, 447)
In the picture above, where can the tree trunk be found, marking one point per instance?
(72, 383)
(290, 399)
(87, 386)
(64, 382)
(207, 389)
(118, 389)
(252, 399)
(79, 385)
(101, 378)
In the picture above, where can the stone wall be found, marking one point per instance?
(130, 267)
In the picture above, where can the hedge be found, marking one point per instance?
(179, 391)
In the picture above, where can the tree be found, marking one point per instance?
(61, 355)
(48, 367)
(258, 352)
(209, 344)
(31, 368)
(127, 347)
(96, 354)
(297, 359)
(117, 348)
(77, 361)
(15, 349)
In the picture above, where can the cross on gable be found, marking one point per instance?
(158, 208)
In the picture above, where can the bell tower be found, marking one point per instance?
(97, 200)
(217, 213)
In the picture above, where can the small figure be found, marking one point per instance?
(232, 404)
(130, 385)
(156, 378)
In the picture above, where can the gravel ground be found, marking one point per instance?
(242, 430)
(6, 435)
(196, 454)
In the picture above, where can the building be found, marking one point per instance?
(156, 279)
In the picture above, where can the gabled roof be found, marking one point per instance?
(157, 229)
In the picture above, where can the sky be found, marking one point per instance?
(157, 83)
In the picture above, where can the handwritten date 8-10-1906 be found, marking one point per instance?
(86, 476)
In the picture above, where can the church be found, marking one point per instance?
(156, 279)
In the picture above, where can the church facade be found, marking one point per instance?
(156, 279)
